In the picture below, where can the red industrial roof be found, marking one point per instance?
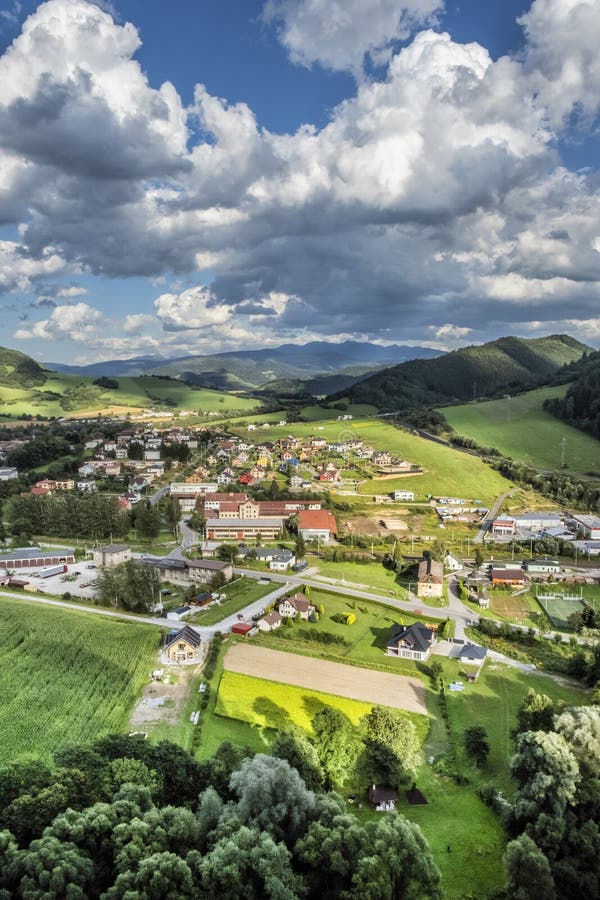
(317, 519)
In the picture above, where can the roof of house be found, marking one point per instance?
(417, 636)
(508, 574)
(186, 634)
(317, 519)
(473, 651)
(214, 565)
(299, 602)
(431, 570)
(378, 794)
(181, 609)
(165, 562)
(272, 618)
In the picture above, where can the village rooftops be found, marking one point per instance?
(317, 520)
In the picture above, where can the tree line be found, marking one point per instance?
(123, 819)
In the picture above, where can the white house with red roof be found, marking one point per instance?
(317, 525)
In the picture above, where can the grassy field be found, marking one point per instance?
(364, 641)
(445, 469)
(520, 428)
(240, 593)
(132, 394)
(368, 576)
(67, 677)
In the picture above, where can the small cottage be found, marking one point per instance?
(184, 646)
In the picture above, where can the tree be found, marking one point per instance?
(52, 868)
(389, 730)
(300, 547)
(528, 871)
(547, 773)
(535, 713)
(580, 727)
(271, 796)
(336, 744)
(476, 743)
(297, 750)
(132, 585)
(478, 556)
(157, 877)
(439, 550)
(147, 520)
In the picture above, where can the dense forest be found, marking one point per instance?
(479, 371)
(581, 404)
(88, 516)
(125, 819)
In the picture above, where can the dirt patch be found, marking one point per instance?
(162, 703)
(397, 691)
(373, 525)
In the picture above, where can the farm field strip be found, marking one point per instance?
(66, 678)
(368, 685)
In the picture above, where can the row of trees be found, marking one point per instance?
(123, 819)
(88, 516)
(555, 817)
(130, 585)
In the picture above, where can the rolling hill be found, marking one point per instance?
(28, 389)
(509, 363)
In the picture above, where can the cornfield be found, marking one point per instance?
(66, 676)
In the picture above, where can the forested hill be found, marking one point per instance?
(510, 363)
(581, 404)
(19, 370)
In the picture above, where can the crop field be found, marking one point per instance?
(520, 428)
(66, 676)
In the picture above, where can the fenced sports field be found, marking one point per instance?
(560, 604)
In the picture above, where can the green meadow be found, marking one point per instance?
(519, 427)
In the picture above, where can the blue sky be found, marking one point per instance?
(345, 171)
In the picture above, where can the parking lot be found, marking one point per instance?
(76, 580)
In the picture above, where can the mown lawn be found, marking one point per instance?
(67, 677)
(522, 429)
(370, 576)
(240, 593)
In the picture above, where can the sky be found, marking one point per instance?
(207, 175)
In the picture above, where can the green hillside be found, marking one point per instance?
(580, 406)
(18, 370)
(27, 390)
(471, 372)
(521, 428)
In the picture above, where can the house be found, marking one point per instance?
(205, 569)
(179, 613)
(504, 527)
(279, 559)
(317, 525)
(184, 646)
(86, 470)
(403, 495)
(587, 526)
(472, 654)
(542, 566)
(383, 799)
(269, 622)
(411, 641)
(514, 577)
(151, 455)
(87, 487)
(112, 469)
(209, 549)
(111, 555)
(430, 581)
(297, 605)
(7, 473)
(120, 452)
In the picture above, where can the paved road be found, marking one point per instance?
(160, 493)
(491, 515)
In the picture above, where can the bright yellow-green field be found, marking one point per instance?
(270, 704)
(522, 429)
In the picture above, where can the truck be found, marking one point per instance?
(53, 570)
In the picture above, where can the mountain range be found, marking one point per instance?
(248, 370)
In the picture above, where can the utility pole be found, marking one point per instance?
(563, 446)
(507, 398)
